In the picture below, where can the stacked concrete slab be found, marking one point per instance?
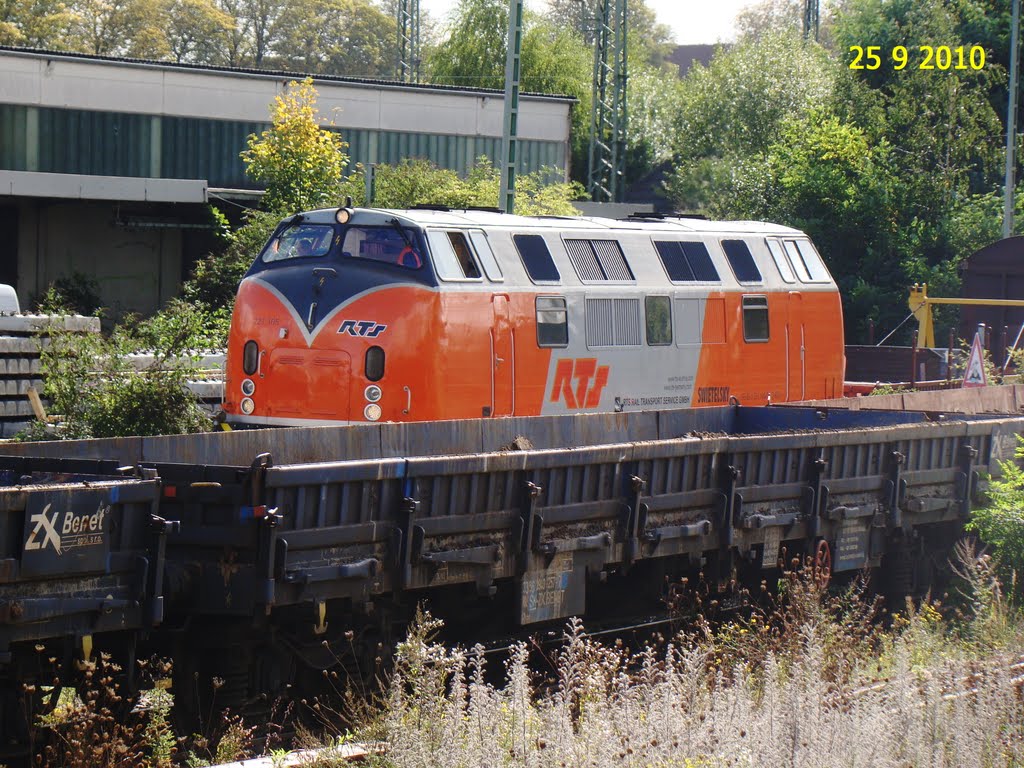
(22, 336)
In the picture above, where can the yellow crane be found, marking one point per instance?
(921, 305)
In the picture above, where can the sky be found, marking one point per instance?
(692, 21)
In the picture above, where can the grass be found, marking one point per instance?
(804, 683)
(804, 678)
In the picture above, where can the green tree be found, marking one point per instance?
(236, 42)
(731, 112)
(36, 23)
(300, 162)
(354, 38)
(736, 105)
(770, 17)
(473, 54)
(941, 124)
(197, 31)
(260, 19)
(649, 41)
(554, 59)
(653, 101)
(823, 176)
(110, 27)
(418, 182)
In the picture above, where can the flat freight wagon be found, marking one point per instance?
(276, 554)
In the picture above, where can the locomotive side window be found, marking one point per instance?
(299, 241)
(453, 259)
(755, 318)
(686, 262)
(741, 261)
(552, 322)
(659, 320)
(385, 244)
(598, 261)
(536, 258)
(486, 256)
(779, 257)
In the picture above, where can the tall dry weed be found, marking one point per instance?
(807, 679)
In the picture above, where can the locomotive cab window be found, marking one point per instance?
(659, 320)
(299, 241)
(741, 261)
(755, 318)
(806, 262)
(486, 256)
(453, 257)
(781, 262)
(389, 245)
(552, 322)
(812, 261)
(536, 258)
(798, 263)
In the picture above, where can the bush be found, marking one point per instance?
(1001, 523)
(181, 328)
(74, 294)
(99, 394)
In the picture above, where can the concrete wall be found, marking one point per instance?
(70, 82)
(137, 270)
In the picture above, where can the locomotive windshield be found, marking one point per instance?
(391, 245)
(299, 241)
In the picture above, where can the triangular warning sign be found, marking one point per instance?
(974, 374)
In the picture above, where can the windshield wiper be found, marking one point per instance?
(401, 230)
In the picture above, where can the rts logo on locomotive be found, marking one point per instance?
(369, 329)
(590, 377)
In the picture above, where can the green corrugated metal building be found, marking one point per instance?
(106, 165)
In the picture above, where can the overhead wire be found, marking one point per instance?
(230, 202)
(904, 320)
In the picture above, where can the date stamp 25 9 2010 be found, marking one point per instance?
(938, 57)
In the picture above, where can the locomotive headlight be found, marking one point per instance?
(373, 393)
(372, 412)
(343, 215)
(248, 387)
(248, 406)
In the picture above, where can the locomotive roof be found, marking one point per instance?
(491, 219)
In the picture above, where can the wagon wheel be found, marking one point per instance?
(821, 567)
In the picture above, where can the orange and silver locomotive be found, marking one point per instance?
(360, 315)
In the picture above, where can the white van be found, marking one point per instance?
(8, 300)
